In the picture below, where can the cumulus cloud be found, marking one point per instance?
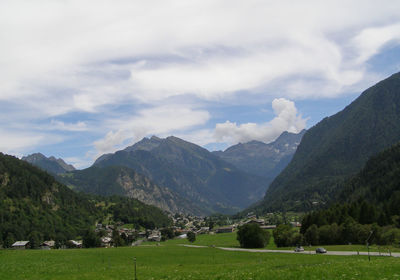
(286, 119)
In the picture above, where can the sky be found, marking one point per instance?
(82, 78)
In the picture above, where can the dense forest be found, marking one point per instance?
(32, 202)
(368, 202)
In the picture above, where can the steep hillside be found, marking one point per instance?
(123, 181)
(372, 196)
(336, 148)
(33, 201)
(50, 164)
(191, 171)
(265, 160)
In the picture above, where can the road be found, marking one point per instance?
(334, 253)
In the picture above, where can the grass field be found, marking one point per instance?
(170, 261)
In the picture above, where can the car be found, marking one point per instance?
(299, 249)
(320, 250)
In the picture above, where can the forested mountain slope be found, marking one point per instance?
(337, 148)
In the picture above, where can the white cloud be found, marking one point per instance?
(60, 125)
(62, 57)
(287, 119)
(370, 40)
(16, 142)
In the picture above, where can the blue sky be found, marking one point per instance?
(83, 78)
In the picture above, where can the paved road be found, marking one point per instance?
(336, 253)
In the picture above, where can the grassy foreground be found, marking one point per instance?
(170, 261)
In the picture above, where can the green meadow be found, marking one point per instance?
(171, 261)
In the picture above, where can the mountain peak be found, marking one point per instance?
(50, 164)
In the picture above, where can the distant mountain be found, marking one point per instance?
(337, 148)
(123, 181)
(32, 201)
(266, 160)
(194, 173)
(49, 164)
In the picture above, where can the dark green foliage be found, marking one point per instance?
(167, 233)
(337, 148)
(90, 239)
(31, 202)
(311, 236)
(285, 235)
(370, 201)
(252, 236)
(191, 236)
(35, 239)
(117, 240)
(132, 211)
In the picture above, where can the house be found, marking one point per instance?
(203, 230)
(268, 227)
(225, 229)
(260, 222)
(295, 224)
(74, 244)
(21, 245)
(155, 236)
(47, 245)
(106, 241)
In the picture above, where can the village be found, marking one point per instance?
(111, 235)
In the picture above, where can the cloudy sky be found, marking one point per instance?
(83, 78)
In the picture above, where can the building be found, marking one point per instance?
(47, 245)
(225, 229)
(21, 245)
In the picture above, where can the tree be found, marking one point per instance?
(191, 236)
(252, 236)
(10, 239)
(311, 235)
(117, 240)
(34, 239)
(284, 236)
(90, 239)
(167, 233)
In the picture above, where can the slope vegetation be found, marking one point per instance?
(337, 148)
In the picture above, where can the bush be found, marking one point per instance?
(252, 236)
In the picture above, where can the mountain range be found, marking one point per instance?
(190, 171)
(261, 159)
(178, 176)
(49, 164)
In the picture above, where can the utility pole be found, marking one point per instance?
(367, 241)
(134, 259)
